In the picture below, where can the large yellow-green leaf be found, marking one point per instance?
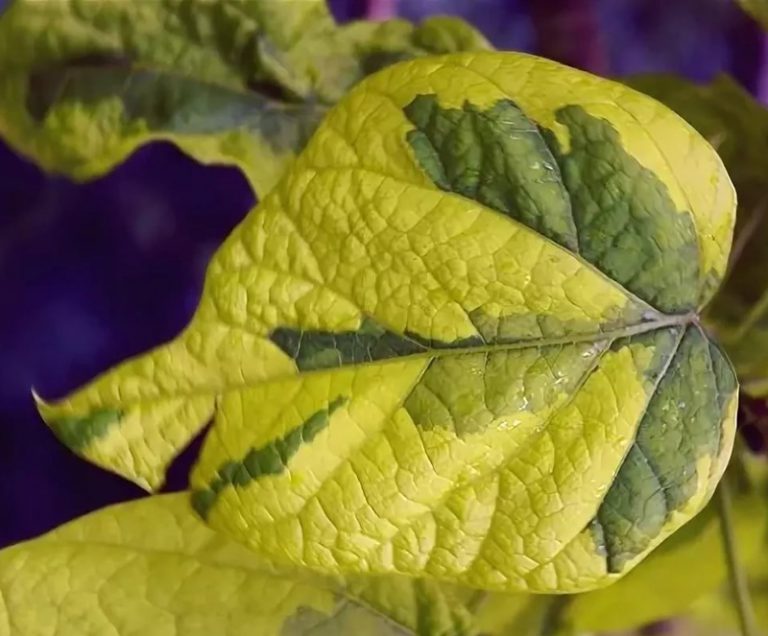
(152, 568)
(459, 339)
(737, 125)
(242, 82)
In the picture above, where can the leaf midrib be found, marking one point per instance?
(675, 320)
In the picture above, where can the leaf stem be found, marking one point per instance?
(553, 616)
(746, 233)
(754, 315)
(736, 575)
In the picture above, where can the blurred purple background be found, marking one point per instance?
(91, 274)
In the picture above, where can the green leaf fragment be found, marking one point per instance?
(497, 157)
(680, 426)
(242, 82)
(78, 432)
(605, 205)
(758, 9)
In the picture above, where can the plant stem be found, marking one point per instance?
(753, 316)
(736, 576)
(553, 615)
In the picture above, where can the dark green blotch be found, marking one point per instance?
(725, 376)
(633, 512)
(627, 223)
(271, 459)
(78, 432)
(682, 423)
(47, 85)
(369, 343)
(496, 157)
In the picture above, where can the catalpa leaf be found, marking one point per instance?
(737, 125)
(151, 567)
(459, 339)
(240, 82)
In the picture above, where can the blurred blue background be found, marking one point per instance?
(91, 274)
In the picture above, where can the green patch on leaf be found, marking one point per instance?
(371, 342)
(497, 157)
(512, 384)
(153, 103)
(268, 460)
(78, 432)
(681, 425)
(736, 124)
(628, 224)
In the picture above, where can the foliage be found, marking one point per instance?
(151, 567)
(454, 357)
(242, 82)
(409, 384)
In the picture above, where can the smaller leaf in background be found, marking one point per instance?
(82, 85)
(151, 567)
(516, 614)
(737, 126)
(758, 9)
(242, 82)
(718, 611)
(714, 614)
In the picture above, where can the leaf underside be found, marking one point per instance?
(458, 340)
